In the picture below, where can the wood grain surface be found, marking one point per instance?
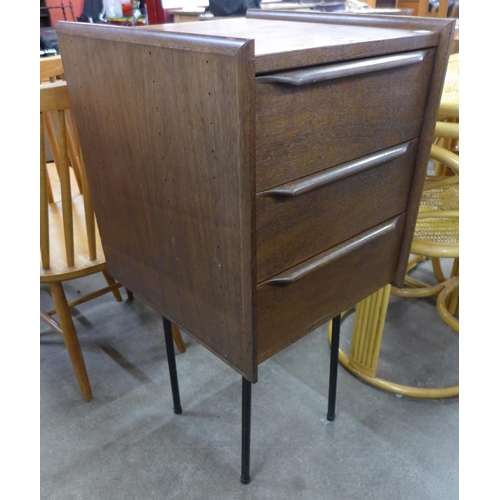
(205, 177)
(291, 229)
(168, 137)
(280, 45)
(301, 130)
(297, 301)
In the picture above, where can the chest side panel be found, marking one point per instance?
(167, 133)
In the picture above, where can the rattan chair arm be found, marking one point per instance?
(447, 129)
(438, 213)
(440, 182)
(449, 109)
(433, 249)
(445, 156)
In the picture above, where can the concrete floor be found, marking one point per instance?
(127, 443)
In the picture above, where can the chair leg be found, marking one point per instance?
(246, 414)
(172, 366)
(111, 281)
(176, 334)
(453, 304)
(334, 363)
(70, 338)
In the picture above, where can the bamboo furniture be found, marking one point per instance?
(450, 99)
(247, 158)
(435, 237)
(447, 128)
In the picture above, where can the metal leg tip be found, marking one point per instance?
(244, 480)
(330, 418)
(178, 410)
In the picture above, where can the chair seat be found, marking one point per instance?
(442, 198)
(59, 270)
(442, 230)
(438, 236)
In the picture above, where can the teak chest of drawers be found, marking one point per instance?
(254, 177)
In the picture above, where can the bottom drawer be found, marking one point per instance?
(298, 300)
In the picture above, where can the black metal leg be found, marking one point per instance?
(334, 362)
(172, 366)
(246, 407)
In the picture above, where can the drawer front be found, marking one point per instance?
(297, 301)
(305, 217)
(306, 122)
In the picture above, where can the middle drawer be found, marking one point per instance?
(305, 217)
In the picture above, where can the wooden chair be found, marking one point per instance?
(425, 8)
(51, 69)
(69, 237)
(453, 9)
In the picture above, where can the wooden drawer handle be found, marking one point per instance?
(315, 181)
(331, 255)
(307, 76)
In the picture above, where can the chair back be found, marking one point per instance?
(70, 222)
(425, 8)
(51, 68)
(437, 228)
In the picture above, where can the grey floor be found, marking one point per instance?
(127, 443)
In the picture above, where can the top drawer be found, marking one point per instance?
(314, 118)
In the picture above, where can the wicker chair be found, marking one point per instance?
(436, 237)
